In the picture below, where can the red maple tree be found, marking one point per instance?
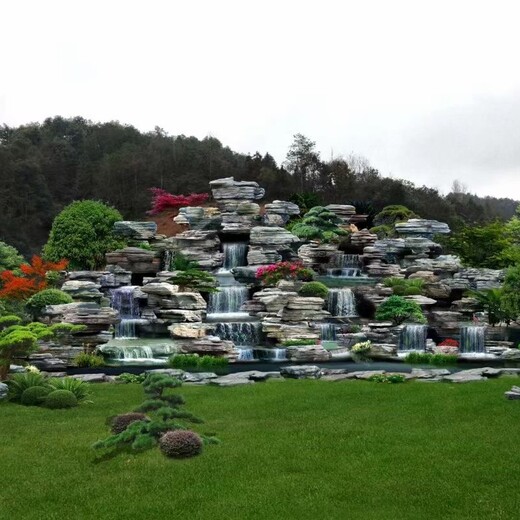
(164, 201)
(33, 279)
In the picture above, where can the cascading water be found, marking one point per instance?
(345, 266)
(272, 354)
(328, 332)
(341, 302)
(167, 260)
(472, 340)
(413, 337)
(245, 354)
(242, 334)
(124, 302)
(235, 254)
(134, 352)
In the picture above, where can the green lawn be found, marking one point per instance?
(291, 450)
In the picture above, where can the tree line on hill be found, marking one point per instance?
(45, 166)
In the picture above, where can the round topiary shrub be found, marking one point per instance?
(180, 444)
(316, 289)
(121, 422)
(38, 301)
(60, 399)
(34, 395)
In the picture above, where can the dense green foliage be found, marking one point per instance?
(427, 358)
(38, 301)
(34, 395)
(398, 310)
(319, 224)
(47, 166)
(404, 286)
(58, 399)
(314, 289)
(82, 233)
(197, 363)
(384, 440)
(194, 280)
(10, 258)
(297, 342)
(88, 360)
(385, 220)
(80, 389)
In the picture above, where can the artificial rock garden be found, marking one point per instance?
(138, 310)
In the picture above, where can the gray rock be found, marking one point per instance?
(160, 288)
(4, 390)
(198, 377)
(364, 374)
(240, 378)
(511, 354)
(512, 395)
(308, 354)
(464, 376)
(91, 378)
(301, 372)
(422, 227)
(420, 373)
(135, 230)
(173, 372)
(83, 290)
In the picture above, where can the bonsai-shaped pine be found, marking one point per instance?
(398, 310)
(319, 224)
(385, 220)
(163, 414)
(17, 341)
(188, 276)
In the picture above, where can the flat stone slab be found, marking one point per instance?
(464, 377)
(174, 372)
(198, 377)
(364, 374)
(231, 380)
(301, 372)
(4, 390)
(513, 395)
(91, 378)
(419, 373)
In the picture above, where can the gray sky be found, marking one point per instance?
(426, 90)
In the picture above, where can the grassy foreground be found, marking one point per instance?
(291, 450)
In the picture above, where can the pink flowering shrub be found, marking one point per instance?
(272, 274)
(164, 201)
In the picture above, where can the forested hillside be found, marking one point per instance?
(45, 166)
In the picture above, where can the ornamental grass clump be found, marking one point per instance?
(273, 273)
(181, 444)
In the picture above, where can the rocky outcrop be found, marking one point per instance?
(270, 244)
(209, 345)
(196, 217)
(84, 291)
(317, 255)
(279, 212)
(135, 230)
(229, 193)
(307, 354)
(275, 329)
(479, 279)
(300, 308)
(135, 260)
(112, 278)
(189, 330)
(422, 227)
(200, 246)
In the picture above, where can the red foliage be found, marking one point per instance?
(33, 280)
(449, 343)
(164, 201)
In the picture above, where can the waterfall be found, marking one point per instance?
(227, 301)
(245, 354)
(472, 340)
(345, 266)
(272, 354)
(167, 260)
(328, 332)
(241, 333)
(235, 254)
(341, 302)
(413, 337)
(124, 302)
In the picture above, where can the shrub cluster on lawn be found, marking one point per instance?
(164, 418)
(34, 389)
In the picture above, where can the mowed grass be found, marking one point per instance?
(290, 450)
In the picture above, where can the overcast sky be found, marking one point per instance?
(425, 90)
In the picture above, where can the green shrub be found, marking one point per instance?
(298, 342)
(34, 395)
(18, 383)
(195, 362)
(316, 289)
(10, 258)
(181, 444)
(60, 399)
(320, 224)
(83, 233)
(80, 389)
(405, 286)
(120, 423)
(38, 301)
(9, 320)
(85, 360)
(126, 377)
(388, 378)
(399, 310)
(412, 291)
(427, 358)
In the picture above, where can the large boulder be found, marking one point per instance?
(4, 390)
(86, 291)
(135, 259)
(135, 230)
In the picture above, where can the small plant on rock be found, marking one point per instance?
(315, 289)
(398, 310)
(86, 360)
(37, 302)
